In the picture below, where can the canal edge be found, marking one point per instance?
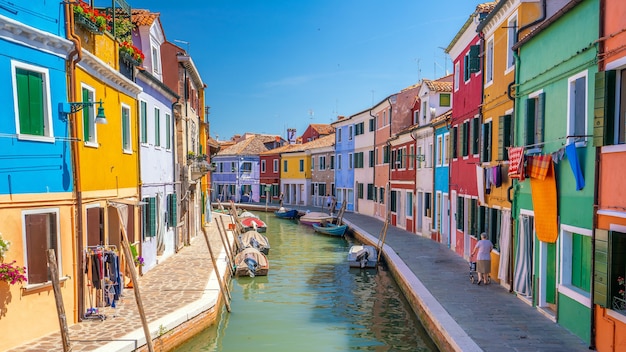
(441, 327)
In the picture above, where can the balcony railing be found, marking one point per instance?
(199, 169)
(619, 305)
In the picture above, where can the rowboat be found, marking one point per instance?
(251, 262)
(362, 256)
(315, 217)
(330, 229)
(253, 223)
(286, 214)
(255, 240)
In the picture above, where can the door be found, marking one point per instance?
(453, 221)
(445, 220)
(420, 211)
(401, 216)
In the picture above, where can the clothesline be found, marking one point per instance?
(551, 141)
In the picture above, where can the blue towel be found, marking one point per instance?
(570, 150)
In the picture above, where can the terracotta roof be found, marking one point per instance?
(443, 84)
(323, 129)
(416, 85)
(325, 141)
(486, 7)
(249, 146)
(141, 17)
(443, 117)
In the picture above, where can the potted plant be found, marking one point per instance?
(10, 272)
(91, 19)
(131, 53)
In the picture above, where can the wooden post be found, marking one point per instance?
(133, 273)
(383, 236)
(226, 245)
(58, 299)
(225, 294)
(228, 240)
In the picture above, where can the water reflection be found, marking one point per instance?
(312, 301)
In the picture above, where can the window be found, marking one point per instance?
(466, 67)
(427, 204)
(332, 162)
(359, 190)
(360, 128)
(371, 157)
(411, 157)
(533, 125)
(301, 165)
(424, 109)
(446, 148)
(372, 124)
(41, 234)
(475, 135)
(489, 62)
(263, 162)
(460, 212)
(126, 134)
(511, 40)
(172, 208)
(350, 161)
(156, 60)
(438, 210)
(157, 127)
(609, 253)
(505, 137)
(358, 160)
(454, 150)
(486, 139)
(384, 118)
(148, 219)
(31, 93)
(457, 74)
(232, 166)
(474, 58)
(381, 197)
(577, 109)
(339, 162)
(275, 165)
(322, 160)
(445, 99)
(312, 164)
(610, 108)
(409, 204)
(420, 157)
(430, 155)
(168, 131)
(576, 257)
(386, 154)
(321, 189)
(284, 165)
(439, 150)
(339, 135)
(371, 192)
(143, 112)
(393, 201)
(89, 117)
(465, 138)
(350, 131)
(246, 166)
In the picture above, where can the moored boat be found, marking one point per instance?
(253, 223)
(362, 256)
(251, 262)
(330, 229)
(286, 213)
(256, 240)
(315, 217)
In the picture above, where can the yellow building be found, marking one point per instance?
(295, 175)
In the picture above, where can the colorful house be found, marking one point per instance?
(554, 205)
(315, 131)
(322, 175)
(37, 205)
(610, 140)
(344, 162)
(364, 130)
(441, 162)
(156, 140)
(382, 113)
(269, 174)
(465, 127)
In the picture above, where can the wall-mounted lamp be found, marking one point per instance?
(73, 107)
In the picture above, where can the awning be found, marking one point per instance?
(125, 201)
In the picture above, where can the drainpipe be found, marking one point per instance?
(388, 205)
(374, 171)
(73, 58)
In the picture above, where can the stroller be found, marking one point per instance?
(473, 275)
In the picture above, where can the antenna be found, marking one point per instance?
(183, 42)
(419, 71)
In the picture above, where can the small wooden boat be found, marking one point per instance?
(362, 256)
(251, 262)
(330, 229)
(315, 217)
(286, 213)
(253, 223)
(247, 214)
(256, 240)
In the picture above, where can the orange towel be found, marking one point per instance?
(544, 205)
(538, 166)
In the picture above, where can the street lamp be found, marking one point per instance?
(73, 107)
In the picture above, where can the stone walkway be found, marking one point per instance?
(168, 291)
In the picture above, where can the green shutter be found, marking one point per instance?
(453, 137)
(464, 135)
(30, 102)
(87, 133)
(125, 132)
(474, 61)
(541, 108)
(475, 135)
(459, 213)
(144, 122)
(529, 125)
(486, 142)
(603, 108)
(504, 136)
(151, 217)
(172, 215)
(601, 295)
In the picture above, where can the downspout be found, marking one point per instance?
(596, 191)
(388, 205)
(374, 169)
(74, 57)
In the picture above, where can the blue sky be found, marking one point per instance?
(273, 64)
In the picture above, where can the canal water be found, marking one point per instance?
(312, 301)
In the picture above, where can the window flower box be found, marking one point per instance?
(131, 54)
(91, 19)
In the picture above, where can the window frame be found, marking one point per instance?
(89, 140)
(127, 135)
(489, 51)
(571, 101)
(56, 227)
(46, 118)
(157, 127)
(565, 285)
(143, 120)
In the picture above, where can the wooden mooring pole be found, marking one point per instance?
(223, 288)
(58, 299)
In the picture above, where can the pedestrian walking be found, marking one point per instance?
(482, 251)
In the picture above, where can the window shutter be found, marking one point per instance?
(486, 139)
(464, 135)
(541, 107)
(453, 137)
(601, 273)
(504, 136)
(603, 107)
(30, 102)
(86, 118)
(474, 61)
(172, 215)
(144, 122)
(475, 135)
(152, 217)
(529, 124)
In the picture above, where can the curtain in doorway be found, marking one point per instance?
(207, 207)
(505, 245)
(523, 258)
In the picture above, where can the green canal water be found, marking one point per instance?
(312, 301)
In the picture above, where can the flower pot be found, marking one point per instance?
(128, 58)
(87, 24)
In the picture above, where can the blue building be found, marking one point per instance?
(344, 162)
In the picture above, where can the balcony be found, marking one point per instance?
(199, 169)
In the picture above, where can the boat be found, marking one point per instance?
(247, 214)
(286, 213)
(330, 229)
(315, 217)
(253, 223)
(362, 256)
(251, 262)
(256, 240)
